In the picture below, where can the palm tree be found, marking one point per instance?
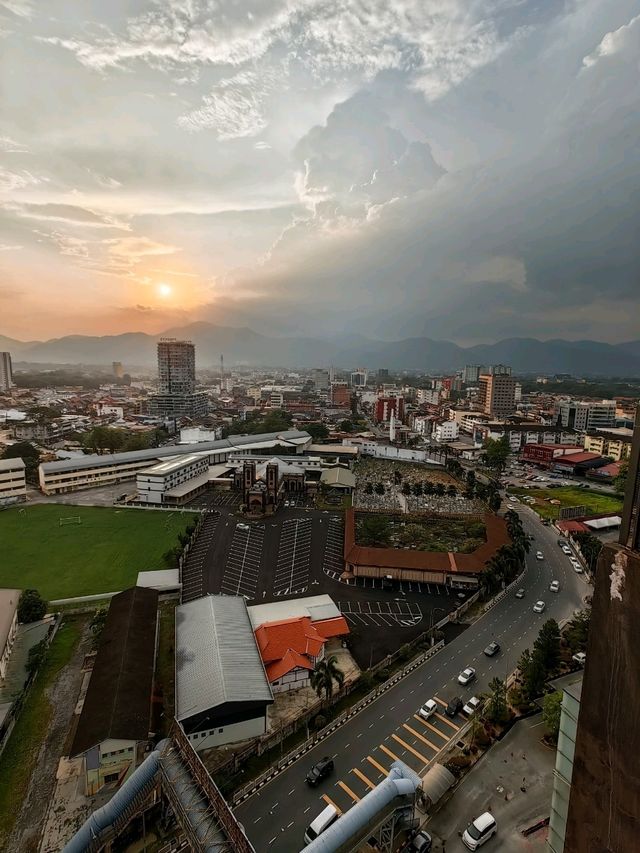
(326, 672)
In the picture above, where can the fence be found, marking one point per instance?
(265, 777)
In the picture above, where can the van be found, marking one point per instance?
(323, 821)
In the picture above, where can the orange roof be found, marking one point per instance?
(291, 660)
(335, 627)
(298, 634)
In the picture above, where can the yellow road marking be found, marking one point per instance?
(448, 722)
(330, 802)
(377, 766)
(440, 702)
(347, 789)
(389, 753)
(361, 776)
(411, 749)
(421, 737)
(429, 726)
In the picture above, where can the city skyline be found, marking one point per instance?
(468, 174)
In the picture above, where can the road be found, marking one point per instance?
(364, 748)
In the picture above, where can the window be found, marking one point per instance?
(220, 731)
(111, 777)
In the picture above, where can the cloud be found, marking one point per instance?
(18, 180)
(133, 248)
(10, 146)
(20, 8)
(615, 42)
(67, 213)
(7, 247)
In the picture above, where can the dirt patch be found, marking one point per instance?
(62, 696)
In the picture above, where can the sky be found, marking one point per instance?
(460, 169)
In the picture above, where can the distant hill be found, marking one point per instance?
(245, 346)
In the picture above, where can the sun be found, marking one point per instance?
(164, 290)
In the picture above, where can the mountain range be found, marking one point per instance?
(244, 346)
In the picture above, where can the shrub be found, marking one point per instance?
(382, 675)
(31, 606)
(319, 722)
(366, 681)
(457, 763)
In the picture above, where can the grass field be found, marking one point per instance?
(596, 502)
(21, 752)
(102, 554)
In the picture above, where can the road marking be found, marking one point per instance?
(377, 766)
(330, 802)
(361, 776)
(421, 737)
(448, 722)
(354, 797)
(410, 748)
(429, 726)
(444, 704)
(388, 751)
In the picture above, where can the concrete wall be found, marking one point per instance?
(230, 733)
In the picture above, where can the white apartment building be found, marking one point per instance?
(8, 626)
(446, 431)
(13, 485)
(156, 484)
(586, 415)
(428, 395)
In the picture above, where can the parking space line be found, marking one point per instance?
(330, 802)
(363, 778)
(347, 789)
(377, 766)
(421, 737)
(429, 726)
(408, 746)
(388, 751)
(448, 722)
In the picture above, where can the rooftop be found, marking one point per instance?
(340, 477)
(12, 464)
(217, 659)
(169, 465)
(118, 700)
(316, 607)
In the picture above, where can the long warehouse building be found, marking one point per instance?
(69, 475)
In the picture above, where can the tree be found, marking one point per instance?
(36, 656)
(346, 425)
(496, 709)
(97, 624)
(318, 432)
(368, 488)
(620, 480)
(427, 487)
(29, 454)
(577, 631)
(406, 488)
(326, 672)
(547, 645)
(496, 453)
(379, 488)
(417, 489)
(551, 711)
(471, 479)
(533, 674)
(452, 491)
(31, 606)
(440, 489)
(375, 532)
(590, 546)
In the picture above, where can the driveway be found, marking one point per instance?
(513, 781)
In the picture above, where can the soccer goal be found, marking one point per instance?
(70, 519)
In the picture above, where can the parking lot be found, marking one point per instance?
(389, 613)
(333, 563)
(294, 557)
(242, 568)
(192, 571)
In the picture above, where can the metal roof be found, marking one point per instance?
(14, 464)
(316, 607)
(170, 465)
(291, 436)
(217, 659)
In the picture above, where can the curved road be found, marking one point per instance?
(364, 748)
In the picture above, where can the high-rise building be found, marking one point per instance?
(359, 378)
(118, 369)
(497, 394)
(586, 415)
(596, 796)
(386, 405)
(471, 374)
(383, 373)
(320, 378)
(6, 371)
(340, 394)
(177, 395)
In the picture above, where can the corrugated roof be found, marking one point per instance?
(338, 477)
(118, 700)
(217, 659)
(315, 606)
(575, 458)
(291, 436)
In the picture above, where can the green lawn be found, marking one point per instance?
(102, 554)
(21, 752)
(596, 502)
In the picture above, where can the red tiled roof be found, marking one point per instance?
(297, 634)
(291, 660)
(572, 526)
(575, 458)
(335, 627)
(398, 558)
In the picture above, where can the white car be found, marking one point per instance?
(428, 709)
(579, 657)
(480, 831)
(510, 506)
(539, 607)
(242, 526)
(554, 586)
(471, 707)
(466, 676)
(567, 551)
(539, 555)
(576, 564)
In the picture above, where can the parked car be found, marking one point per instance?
(520, 593)
(492, 649)
(479, 831)
(454, 707)
(420, 843)
(566, 550)
(428, 709)
(554, 586)
(539, 555)
(472, 706)
(466, 676)
(320, 771)
(242, 526)
(579, 657)
(539, 607)
(577, 568)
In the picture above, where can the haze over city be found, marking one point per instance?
(399, 168)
